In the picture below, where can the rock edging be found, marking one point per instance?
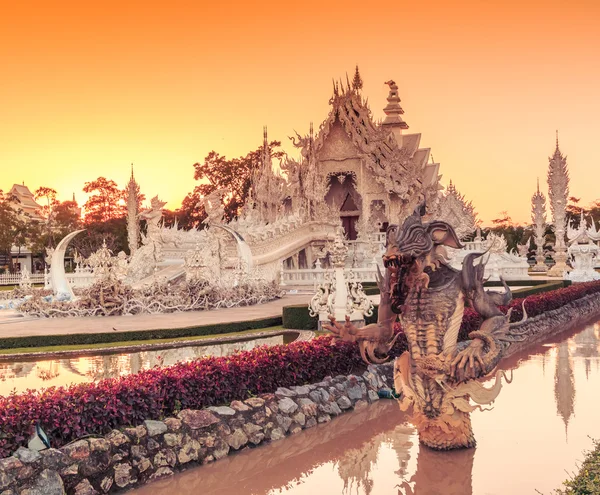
(129, 457)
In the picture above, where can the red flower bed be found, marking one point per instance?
(96, 408)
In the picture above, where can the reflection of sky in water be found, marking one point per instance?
(537, 431)
(47, 373)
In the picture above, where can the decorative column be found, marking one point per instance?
(538, 217)
(558, 192)
(339, 252)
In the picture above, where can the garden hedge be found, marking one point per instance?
(127, 336)
(540, 288)
(296, 317)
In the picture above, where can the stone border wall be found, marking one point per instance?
(130, 457)
(567, 317)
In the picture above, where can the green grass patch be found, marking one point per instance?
(87, 339)
(109, 345)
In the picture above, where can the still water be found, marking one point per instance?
(23, 375)
(536, 433)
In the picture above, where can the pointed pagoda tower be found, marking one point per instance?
(133, 226)
(266, 185)
(538, 217)
(558, 192)
(393, 113)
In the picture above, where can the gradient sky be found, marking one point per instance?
(88, 89)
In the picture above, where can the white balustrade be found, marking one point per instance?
(15, 278)
(315, 276)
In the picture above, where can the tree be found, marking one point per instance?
(106, 203)
(218, 172)
(574, 212)
(113, 232)
(514, 234)
(50, 195)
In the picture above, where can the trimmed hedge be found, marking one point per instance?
(296, 317)
(126, 336)
(525, 283)
(540, 288)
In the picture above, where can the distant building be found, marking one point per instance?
(23, 201)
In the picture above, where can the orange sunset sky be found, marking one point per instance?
(89, 87)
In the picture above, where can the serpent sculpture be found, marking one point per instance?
(437, 376)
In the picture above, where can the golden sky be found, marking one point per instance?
(88, 88)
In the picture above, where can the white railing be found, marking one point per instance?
(315, 276)
(78, 279)
(15, 278)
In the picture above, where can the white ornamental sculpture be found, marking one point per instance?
(538, 217)
(558, 192)
(454, 209)
(25, 281)
(337, 295)
(583, 251)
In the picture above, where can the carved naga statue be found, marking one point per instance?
(437, 375)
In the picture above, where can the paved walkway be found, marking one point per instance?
(22, 327)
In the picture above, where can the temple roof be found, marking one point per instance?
(25, 196)
(25, 201)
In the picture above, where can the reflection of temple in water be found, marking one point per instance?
(585, 345)
(588, 346)
(354, 467)
(564, 384)
(15, 370)
(66, 371)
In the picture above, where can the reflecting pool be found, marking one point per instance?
(23, 375)
(537, 431)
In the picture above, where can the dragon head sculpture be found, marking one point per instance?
(415, 250)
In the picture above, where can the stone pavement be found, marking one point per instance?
(27, 326)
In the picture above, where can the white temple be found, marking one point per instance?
(352, 172)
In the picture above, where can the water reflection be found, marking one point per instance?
(521, 448)
(20, 376)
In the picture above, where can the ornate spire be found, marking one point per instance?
(357, 82)
(558, 193)
(393, 110)
(133, 227)
(538, 217)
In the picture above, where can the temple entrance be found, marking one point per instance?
(349, 224)
(342, 191)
